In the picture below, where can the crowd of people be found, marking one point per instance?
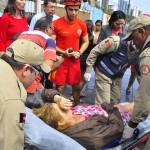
(62, 51)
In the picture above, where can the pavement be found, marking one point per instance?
(89, 92)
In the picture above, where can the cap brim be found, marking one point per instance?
(45, 68)
(127, 37)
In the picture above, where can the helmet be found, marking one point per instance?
(72, 2)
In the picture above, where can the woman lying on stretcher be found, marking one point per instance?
(92, 126)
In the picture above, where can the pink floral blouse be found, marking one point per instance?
(91, 110)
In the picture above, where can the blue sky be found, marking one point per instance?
(143, 5)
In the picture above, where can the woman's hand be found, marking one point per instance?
(62, 102)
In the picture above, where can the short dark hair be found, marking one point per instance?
(99, 21)
(43, 23)
(116, 15)
(29, 19)
(11, 8)
(46, 2)
(89, 22)
(13, 63)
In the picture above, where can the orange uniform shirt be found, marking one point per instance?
(68, 34)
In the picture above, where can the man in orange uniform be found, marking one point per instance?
(68, 31)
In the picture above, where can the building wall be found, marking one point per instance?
(60, 11)
(105, 4)
(81, 15)
(120, 4)
(2, 5)
(125, 6)
(106, 18)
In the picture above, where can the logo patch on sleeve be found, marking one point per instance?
(22, 118)
(107, 43)
(145, 69)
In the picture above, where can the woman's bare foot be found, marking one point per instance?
(127, 107)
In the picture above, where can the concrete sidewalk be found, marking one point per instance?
(90, 93)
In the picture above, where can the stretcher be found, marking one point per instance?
(40, 136)
(140, 135)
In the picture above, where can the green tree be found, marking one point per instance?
(97, 5)
(107, 11)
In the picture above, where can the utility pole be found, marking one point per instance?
(128, 9)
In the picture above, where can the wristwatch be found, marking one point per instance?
(80, 53)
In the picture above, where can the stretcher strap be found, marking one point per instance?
(112, 144)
